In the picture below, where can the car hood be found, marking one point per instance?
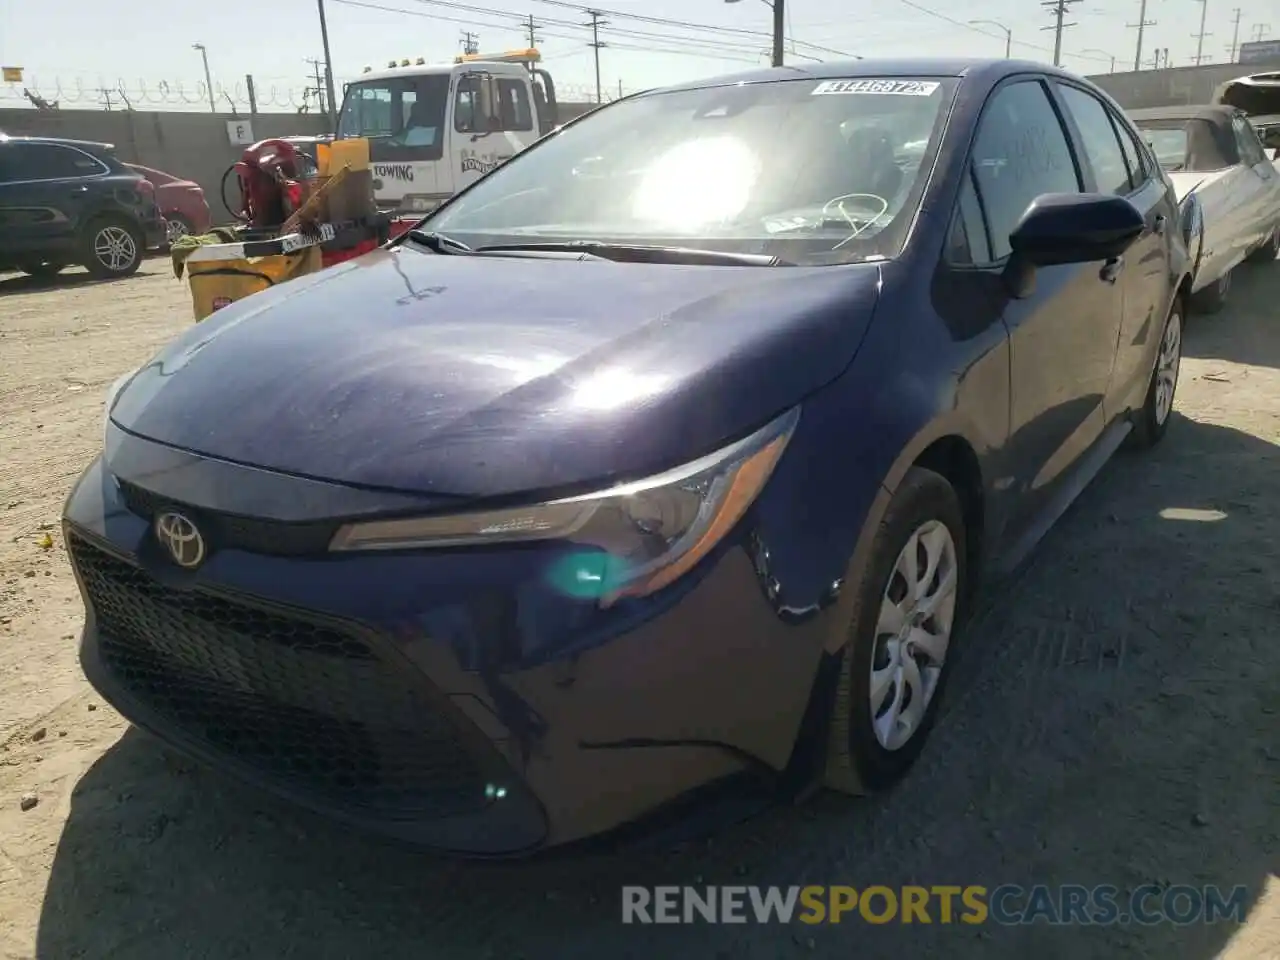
(1186, 182)
(487, 376)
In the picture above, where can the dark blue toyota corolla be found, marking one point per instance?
(672, 451)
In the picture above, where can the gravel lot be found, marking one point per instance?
(1113, 721)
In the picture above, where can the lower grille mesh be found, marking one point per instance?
(311, 706)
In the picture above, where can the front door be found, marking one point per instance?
(1062, 336)
(493, 121)
(1117, 164)
(45, 193)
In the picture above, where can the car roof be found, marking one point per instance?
(1214, 113)
(991, 68)
(95, 145)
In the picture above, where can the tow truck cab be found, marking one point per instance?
(433, 129)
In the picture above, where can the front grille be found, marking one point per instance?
(312, 707)
(230, 532)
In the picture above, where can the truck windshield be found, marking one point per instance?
(811, 171)
(398, 112)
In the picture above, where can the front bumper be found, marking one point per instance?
(442, 698)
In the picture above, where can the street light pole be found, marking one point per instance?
(328, 69)
(1008, 34)
(779, 27)
(208, 80)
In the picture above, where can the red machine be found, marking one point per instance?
(269, 173)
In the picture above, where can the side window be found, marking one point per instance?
(967, 244)
(513, 105)
(469, 110)
(1134, 155)
(48, 161)
(1098, 138)
(1251, 151)
(1019, 152)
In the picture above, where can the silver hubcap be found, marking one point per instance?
(114, 248)
(1167, 366)
(175, 230)
(913, 633)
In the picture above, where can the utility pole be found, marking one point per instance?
(1260, 30)
(531, 30)
(780, 29)
(1059, 10)
(597, 21)
(1142, 24)
(470, 42)
(319, 88)
(328, 68)
(208, 80)
(1204, 10)
(1235, 38)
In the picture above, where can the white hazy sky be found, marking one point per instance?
(71, 47)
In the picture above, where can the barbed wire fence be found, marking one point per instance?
(79, 93)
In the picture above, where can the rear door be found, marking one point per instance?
(1062, 336)
(1118, 165)
(46, 194)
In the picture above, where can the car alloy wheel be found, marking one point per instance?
(1168, 364)
(913, 633)
(175, 230)
(114, 248)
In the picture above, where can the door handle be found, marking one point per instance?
(1160, 223)
(1111, 269)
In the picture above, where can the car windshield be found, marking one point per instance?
(811, 171)
(408, 111)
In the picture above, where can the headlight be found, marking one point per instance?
(638, 537)
(112, 393)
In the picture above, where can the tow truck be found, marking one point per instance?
(435, 128)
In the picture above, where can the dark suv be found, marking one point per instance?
(68, 202)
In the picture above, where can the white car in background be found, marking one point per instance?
(1213, 153)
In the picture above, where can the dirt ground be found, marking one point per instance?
(1114, 720)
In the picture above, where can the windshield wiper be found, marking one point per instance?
(639, 253)
(439, 242)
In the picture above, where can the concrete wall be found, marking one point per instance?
(190, 145)
(1175, 85)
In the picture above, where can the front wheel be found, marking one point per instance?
(1152, 420)
(1214, 297)
(113, 248)
(1268, 251)
(43, 269)
(905, 614)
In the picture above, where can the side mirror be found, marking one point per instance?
(1061, 228)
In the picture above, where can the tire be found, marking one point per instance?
(1152, 421)
(1268, 252)
(43, 270)
(176, 226)
(863, 756)
(1214, 297)
(112, 247)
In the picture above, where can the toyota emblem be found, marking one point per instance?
(181, 538)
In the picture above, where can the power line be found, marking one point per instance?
(1059, 10)
(986, 33)
(1199, 37)
(1142, 24)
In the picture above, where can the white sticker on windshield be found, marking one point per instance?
(898, 88)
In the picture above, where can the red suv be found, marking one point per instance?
(182, 202)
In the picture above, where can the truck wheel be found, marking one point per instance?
(112, 248)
